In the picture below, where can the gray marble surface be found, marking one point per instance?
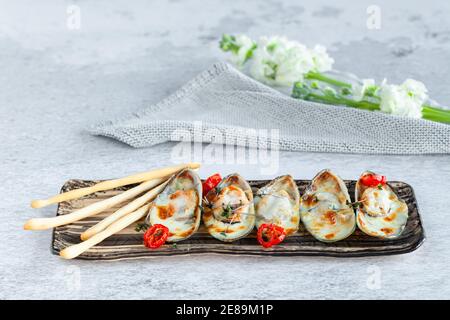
(55, 82)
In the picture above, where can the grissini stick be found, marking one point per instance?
(111, 184)
(130, 207)
(75, 250)
(93, 209)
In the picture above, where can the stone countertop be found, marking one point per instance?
(56, 81)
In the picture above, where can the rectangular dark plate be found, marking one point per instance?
(128, 243)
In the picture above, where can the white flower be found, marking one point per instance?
(359, 90)
(405, 99)
(415, 89)
(322, 61)
(278, 61)
(245, 45)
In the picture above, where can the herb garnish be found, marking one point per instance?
(354, 205)
(141, 227)
(227, 211)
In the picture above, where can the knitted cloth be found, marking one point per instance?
(222, 105)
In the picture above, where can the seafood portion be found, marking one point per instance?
(173, 200)
(380, 212)
(178, 206)
(278, 203)
(326, 209)
(229, 212)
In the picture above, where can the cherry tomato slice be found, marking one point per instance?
(156, 236)
(210, 183)
(373, 180)
(270, 234)
(279, 234)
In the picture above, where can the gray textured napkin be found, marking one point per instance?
(224, 101)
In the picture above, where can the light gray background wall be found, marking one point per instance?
(55, 82)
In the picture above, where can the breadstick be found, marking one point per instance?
(130, 207)
(97, 207)
(111, 184)
(75, 250)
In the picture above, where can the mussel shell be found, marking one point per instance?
(278, 202)
(325, 208)
(178, 206)
(386, 224)
(228, 210)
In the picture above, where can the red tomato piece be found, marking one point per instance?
(156, 236)
(373, 180)
(270, 234)
(211, 182)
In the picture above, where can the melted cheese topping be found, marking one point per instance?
(377, 202)
(230, 215)
(383, 214)
(324, 209)
(230, 205)
(178, 212)
(178, 206)
(277, 208)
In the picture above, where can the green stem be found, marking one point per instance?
(435, 110)
(435, 118)
(366, 105)
(362, 104)
(228, 43)
(326, 79)
(431, 114)
(428, 112)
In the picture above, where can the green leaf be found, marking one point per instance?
(228, 43)
(271, 47)
(371, 91)
(250, 53)
(273, 73)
